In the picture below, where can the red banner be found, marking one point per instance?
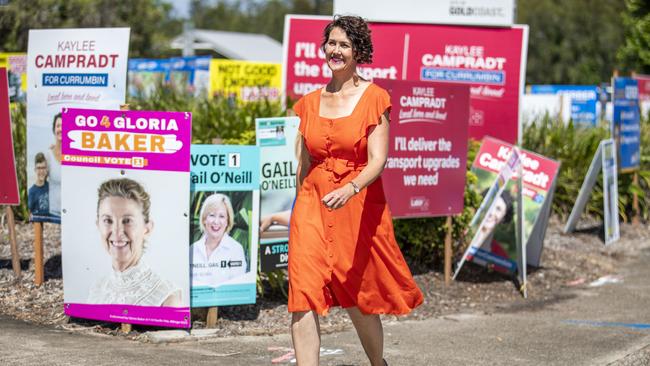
(539, 171)
(644, 87)
(425, 171)
(491, 61)
(8, 183)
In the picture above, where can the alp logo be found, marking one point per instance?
(421, 203)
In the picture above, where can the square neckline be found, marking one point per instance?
(356, 106)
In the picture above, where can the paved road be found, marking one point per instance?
(607, 325)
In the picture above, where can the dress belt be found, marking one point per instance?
(338, 167)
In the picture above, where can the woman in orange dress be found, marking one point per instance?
(342, 250)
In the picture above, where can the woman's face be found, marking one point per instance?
(215, 221)
(123, 230)
(495, 215)
(338, 51)
(57, 129)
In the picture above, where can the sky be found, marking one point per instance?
(181, 7)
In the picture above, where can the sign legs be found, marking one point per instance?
(15, 256)
(39, 274)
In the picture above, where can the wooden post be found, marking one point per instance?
(211, 318)
(448, 251)
(636, 218)
(126, 328)
(15, 256)
(39, 273)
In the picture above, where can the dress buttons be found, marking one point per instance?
(330, 224)
(330, 240)
(329, 209)
(331, 255)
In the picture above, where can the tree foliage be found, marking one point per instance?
(571, 42)
(250, 16)
(634, 55)
(150, 21)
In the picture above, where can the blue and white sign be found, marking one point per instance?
(224, 224)
(584, 100)
(626, 127)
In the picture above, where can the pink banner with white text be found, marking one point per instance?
(491, 61)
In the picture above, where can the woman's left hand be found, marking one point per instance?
(338, 197)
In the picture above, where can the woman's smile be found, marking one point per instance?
(123, 230)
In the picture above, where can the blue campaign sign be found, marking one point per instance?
(224, 224)
(584, 99)
(626, 128)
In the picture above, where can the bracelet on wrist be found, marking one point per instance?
(355, 187)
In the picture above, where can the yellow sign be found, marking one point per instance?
(246, 80)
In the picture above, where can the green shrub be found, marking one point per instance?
(19, 134)
(574, 148)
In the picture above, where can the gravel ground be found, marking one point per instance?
(568, 261)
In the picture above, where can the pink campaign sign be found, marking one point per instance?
(490, 60)
(425, 171)
(127, 139)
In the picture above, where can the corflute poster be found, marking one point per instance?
(246, 81)
(277, 139)
(74, 68)
(9, 182)
(425, 170)
(125, 223)
(492, 61)
(224, 224)
(496, 240)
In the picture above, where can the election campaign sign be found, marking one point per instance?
(425, 170)
(626, 123)
(224, 227)
(584, 101)
(83, 68)
(125, 220)
(16, 65)
(495, 242)
(246, 81)
(278, 140)
(145, 75)
(9, 182)
(492, 61)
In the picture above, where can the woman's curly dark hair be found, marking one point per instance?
(357, 31)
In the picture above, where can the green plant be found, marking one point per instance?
(19, 134)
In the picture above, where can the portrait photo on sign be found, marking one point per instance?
(123, 237)
(220, 237)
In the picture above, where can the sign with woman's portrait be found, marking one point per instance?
(125, 221)
(495, 240)
(224, 210)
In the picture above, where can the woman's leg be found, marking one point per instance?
(370, 333)
(305, 333)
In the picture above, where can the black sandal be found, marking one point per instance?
(385, 363)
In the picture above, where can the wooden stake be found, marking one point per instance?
(211, 318)
(15, 256)
(448, 251)
(126, 328)
(636, 219)
(39, 273)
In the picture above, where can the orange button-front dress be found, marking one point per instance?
(348, 256)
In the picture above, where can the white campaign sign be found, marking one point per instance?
(460, 12)
(82, 68)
